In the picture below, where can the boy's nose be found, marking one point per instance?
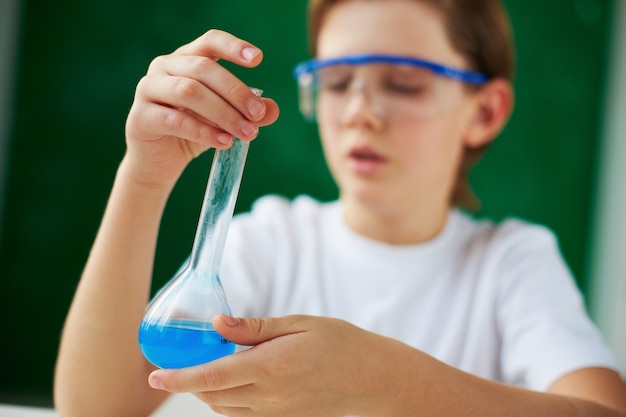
(362, 105)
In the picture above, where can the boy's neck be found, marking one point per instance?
(411, 226)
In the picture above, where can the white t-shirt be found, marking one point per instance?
(493, 300)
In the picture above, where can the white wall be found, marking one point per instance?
(9, 13)
(608, 295)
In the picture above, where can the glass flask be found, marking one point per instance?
(176, 330)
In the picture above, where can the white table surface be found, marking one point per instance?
(8, 410)
(178, 405)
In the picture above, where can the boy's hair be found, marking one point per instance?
(481, 32)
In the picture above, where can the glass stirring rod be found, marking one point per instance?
(176, 330)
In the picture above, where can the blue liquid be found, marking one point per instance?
(179, 345)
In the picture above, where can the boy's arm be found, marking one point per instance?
(100, 369)
(601, 385)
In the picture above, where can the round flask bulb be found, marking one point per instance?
(176, 331)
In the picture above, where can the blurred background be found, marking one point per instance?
(67, 76)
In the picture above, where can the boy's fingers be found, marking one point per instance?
(224, 373)
(253, 331)
(217, 44)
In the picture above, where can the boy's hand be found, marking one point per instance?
(187, 102)
(299, 366)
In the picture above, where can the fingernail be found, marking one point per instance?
(230, 320)
(155, 382)
(256, 108)
(249, 53)
(248, 129)
(224, 138)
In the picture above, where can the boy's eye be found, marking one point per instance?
(334, 81)
(408, 88)
(408, 81)
(341, 84)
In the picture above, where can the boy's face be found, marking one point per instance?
(380, 162)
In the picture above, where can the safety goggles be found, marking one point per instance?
(394, 87)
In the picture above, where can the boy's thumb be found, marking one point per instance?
(253, 331)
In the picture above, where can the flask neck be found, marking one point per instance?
(218, 206)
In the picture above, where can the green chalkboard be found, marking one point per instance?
(80, 60)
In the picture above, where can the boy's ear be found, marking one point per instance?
(494, 107)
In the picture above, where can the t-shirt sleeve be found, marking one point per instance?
(545, 330)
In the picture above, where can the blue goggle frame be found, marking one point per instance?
(470, 77)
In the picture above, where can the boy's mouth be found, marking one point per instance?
(366, 160)
(365, 154)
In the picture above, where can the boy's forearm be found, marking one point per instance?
(99, 360)
(427, 387)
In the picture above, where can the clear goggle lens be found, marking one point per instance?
(396, 88)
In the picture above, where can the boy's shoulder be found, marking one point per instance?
(507, 234)
(276, 211)
(299, 207)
